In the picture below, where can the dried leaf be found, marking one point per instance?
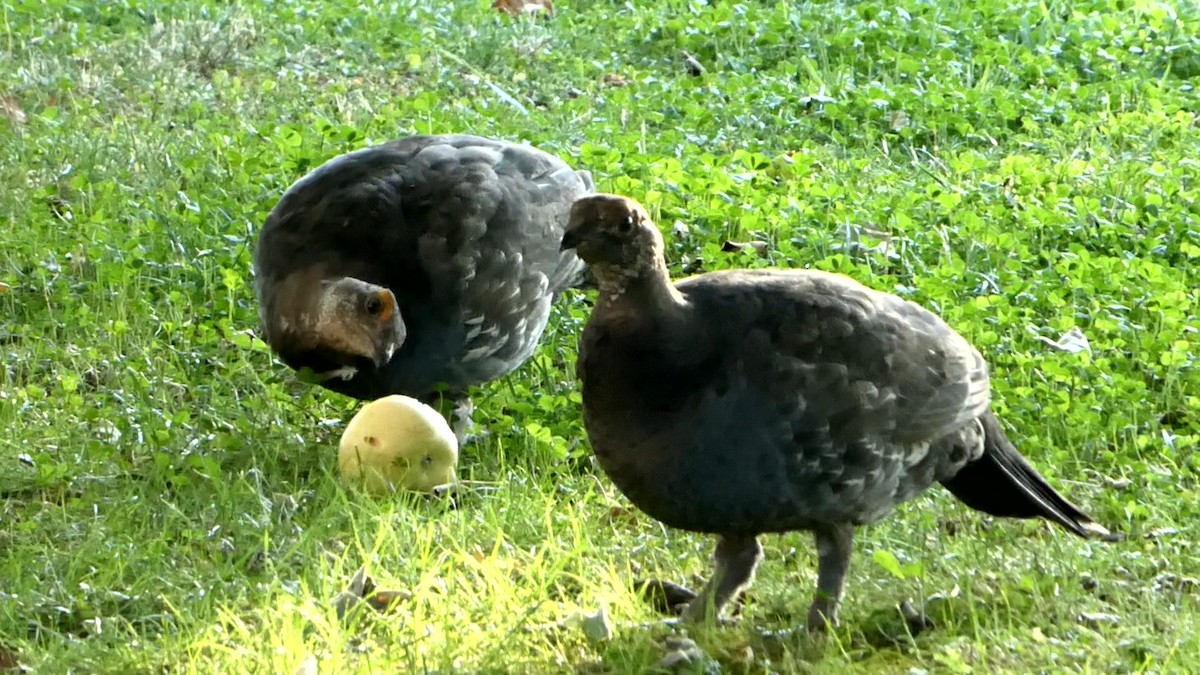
(1096, 619)
(1072, 342)
(361, 590)
(1161, 532)
(386, 601)
(664, 596)
(693, 66)
(1175, 583)
(596, 627)
(621, 512)
(521, 7)
(4, 288)
(12, 110)
(307, 667)
(9, 659)
(614, 80)
(898, 120)
(1118, 483)
(811, 99)
(681, 651)
(1177, 417)
(360, 583)
(344, 602)
(914, 618)
(759, 247)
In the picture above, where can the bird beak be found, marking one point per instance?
(384, 355)
(570, 239)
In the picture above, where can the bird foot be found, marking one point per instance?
(664, 596)
(676, 601)
(463, 424)
(821, 619)
(466, 438)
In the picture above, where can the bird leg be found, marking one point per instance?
(459, 411)
(835, 543)
(463, 420)
(736, 557)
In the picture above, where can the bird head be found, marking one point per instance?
(359, 323)
(611, 231)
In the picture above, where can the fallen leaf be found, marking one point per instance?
(915, 619)
(1118, 483)
(681, 651)
(614, 80)
(361, 590)
(1175, 583)
(898, 120)
(12, 110)
(1096, 619)
(4, 288)
(745, 655)
(520, 7)
(1072, 342)
(1172, 418)
(621, 512)
(8, 659)
(809, 100)
(1161, 532)
(344, 602)
(759, 247)
(664, 596)
(386, 601)
(693, 65)
(307, 667)
(360, 582)
(596, 627)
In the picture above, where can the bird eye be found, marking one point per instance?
(374, 305)
(626, 225)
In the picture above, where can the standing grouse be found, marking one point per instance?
(744, 402)
(422, 266)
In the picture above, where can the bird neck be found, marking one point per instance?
(290, 306)
(643, 286)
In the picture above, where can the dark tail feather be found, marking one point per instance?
(1003, 483)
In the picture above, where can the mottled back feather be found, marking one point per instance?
(812, 397)
(464, 230)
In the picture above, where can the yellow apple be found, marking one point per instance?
(397, 443)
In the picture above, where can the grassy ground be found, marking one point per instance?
(167, 495)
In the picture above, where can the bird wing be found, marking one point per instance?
(495, 212)
(861, 362)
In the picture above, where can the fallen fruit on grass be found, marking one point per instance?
(397, 443)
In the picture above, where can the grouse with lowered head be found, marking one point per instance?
(422, 266)
(744, 402)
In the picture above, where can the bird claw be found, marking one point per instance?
(466, 438)
(345, 373)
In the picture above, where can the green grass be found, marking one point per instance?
(168, 497)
